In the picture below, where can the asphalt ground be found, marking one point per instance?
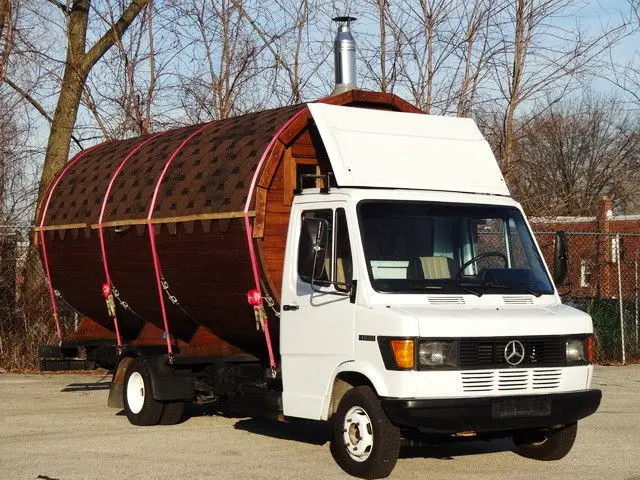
(59, 427)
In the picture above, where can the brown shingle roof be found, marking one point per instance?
(211, 173)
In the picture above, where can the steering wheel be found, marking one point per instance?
(483, 255)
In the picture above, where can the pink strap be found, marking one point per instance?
(43, 247)
(249, 231)
(103, 250)
(152, 235)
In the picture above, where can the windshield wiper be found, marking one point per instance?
(466, 288)
(420, 288)
(506, 286)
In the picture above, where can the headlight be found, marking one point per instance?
(576, 350)
(434, 354)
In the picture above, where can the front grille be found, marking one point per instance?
(512, 380)
(489, 352)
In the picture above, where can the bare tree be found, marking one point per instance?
(222, 58)
(569, 155)
(539, 57)
(122, 92)
(625, 74)
(439, 51)
(80, 59)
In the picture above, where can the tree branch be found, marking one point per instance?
(112, 35)
(61, 6)
(27, 96)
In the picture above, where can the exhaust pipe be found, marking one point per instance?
(344, 50)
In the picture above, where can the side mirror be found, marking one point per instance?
(561, 257)
(312, 249)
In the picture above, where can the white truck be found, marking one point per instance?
(415, 299)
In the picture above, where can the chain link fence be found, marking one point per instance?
(603, 280)
(26, 319)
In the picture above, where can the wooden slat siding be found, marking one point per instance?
(271, 164)
(261, 203)
(275, 232)
(289, 177)
(210, 275)
(303, 151)
(133, 275)
(80, 282)
(267, 275)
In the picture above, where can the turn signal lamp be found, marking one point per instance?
(403, 353)
(590, 348)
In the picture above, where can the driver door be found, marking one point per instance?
(317, 318)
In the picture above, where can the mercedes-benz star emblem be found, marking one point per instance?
(514, 352)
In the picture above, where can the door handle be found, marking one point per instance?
(290, 308)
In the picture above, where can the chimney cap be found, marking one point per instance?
(344, 19)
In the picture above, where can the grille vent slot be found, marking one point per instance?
(517, 300)
(446, 300)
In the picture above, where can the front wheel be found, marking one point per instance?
(547, 446)
(364, 443)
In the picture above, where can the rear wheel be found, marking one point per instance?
(173, 412)
(365, 443)
(546, 446)
(141, 408)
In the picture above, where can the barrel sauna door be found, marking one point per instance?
(317, 320)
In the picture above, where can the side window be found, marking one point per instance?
(343, 260)
(338, 264)
(325, 270)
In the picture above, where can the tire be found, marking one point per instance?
(360, 423)
(173, 413)
(547, 446)
(139, 405)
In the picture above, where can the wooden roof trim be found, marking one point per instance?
(271, 165)
(143, 221)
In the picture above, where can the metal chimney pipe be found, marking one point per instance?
(344, 50)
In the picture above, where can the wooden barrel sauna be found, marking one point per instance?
(191, 189)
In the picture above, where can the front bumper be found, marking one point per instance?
(491, 414)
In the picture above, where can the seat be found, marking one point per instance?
(437, 267)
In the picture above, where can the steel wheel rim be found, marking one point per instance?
(135, 392)
(358, 434)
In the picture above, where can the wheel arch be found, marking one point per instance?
(347, 376)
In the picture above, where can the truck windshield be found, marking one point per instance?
(424, 247)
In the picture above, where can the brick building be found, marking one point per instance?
(601, 249)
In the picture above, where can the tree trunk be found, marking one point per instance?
(519, 59)
(62, 125)
(79, 63)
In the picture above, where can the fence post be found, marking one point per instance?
(620, 301)
(636, 309)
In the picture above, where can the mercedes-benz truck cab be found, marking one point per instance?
(416, 301)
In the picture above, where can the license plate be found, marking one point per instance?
(521, 407)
